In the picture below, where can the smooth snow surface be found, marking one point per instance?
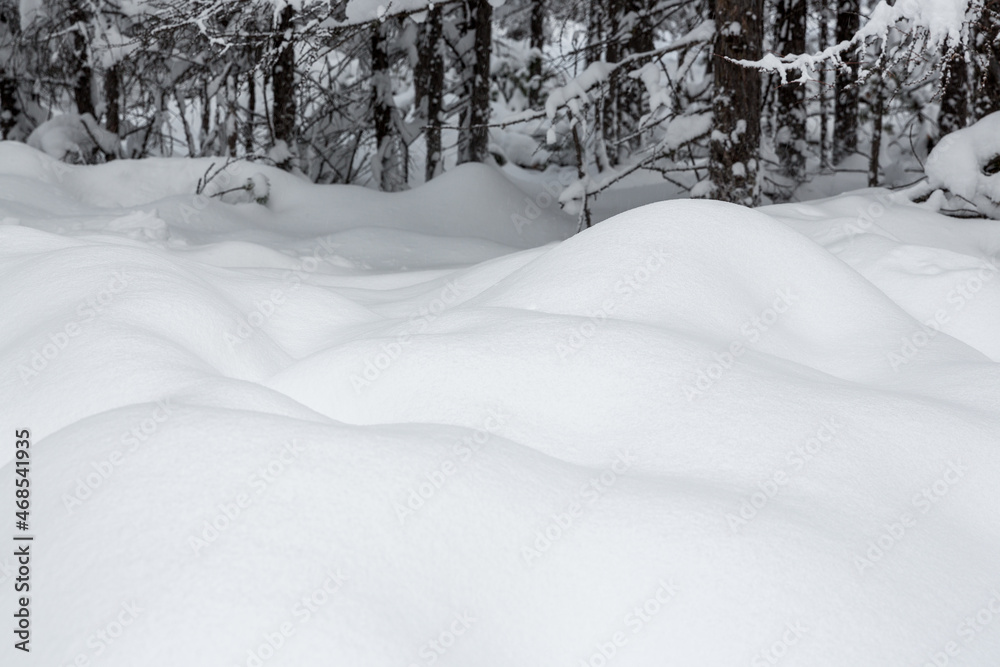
(371, 430)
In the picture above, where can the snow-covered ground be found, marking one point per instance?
(363, 429)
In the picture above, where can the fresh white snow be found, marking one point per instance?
(366, 429)
(957, 164)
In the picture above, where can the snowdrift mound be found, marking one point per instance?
(682, 437)
(471, 210)
(940, 270)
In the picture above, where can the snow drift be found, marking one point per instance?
(694, 434)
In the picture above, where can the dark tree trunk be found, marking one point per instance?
(206, 122)
(636, 25)
(610, 103)
(878, 111)
(641, 29)
(112, 97)
(8, 104)
(79, 61)
(537, 43)
(987, 58)
(10, 27)
(283, 80)
(790, 128)
(248, 130)
(954, 113)
(735, 143)
(387, 162)
(845, 122)
(429, 77)
(381, 100)
(595, 31)
(476, 149)
(232, 111)
(823, 27)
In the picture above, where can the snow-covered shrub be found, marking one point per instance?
(217, 182)
(965, 164)
(74, 138)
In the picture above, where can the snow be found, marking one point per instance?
(939, 23)
(578, 89)
(361, 11)
(956, 164)
(29, 10)
(73, 135)
(359, 428)
(659, 94)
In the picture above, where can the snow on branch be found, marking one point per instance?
(680, 131)
(940, 23)
(577, 90)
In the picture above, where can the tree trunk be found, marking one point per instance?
(112, 97)
(823, 27)
(878, 111)
(790, 128)
(954, 113)
(204, 148)
(610, 104)
(79, 61)
(283, 80)
(845, 122)
(641, 36)
(248, 129)
(429, 78)
(232, 110)
(537, 43)
(595, 32)
(10, 27)
(987, 45)
(637, 37)
(476, 149)
(735, 143)
(387, 162)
